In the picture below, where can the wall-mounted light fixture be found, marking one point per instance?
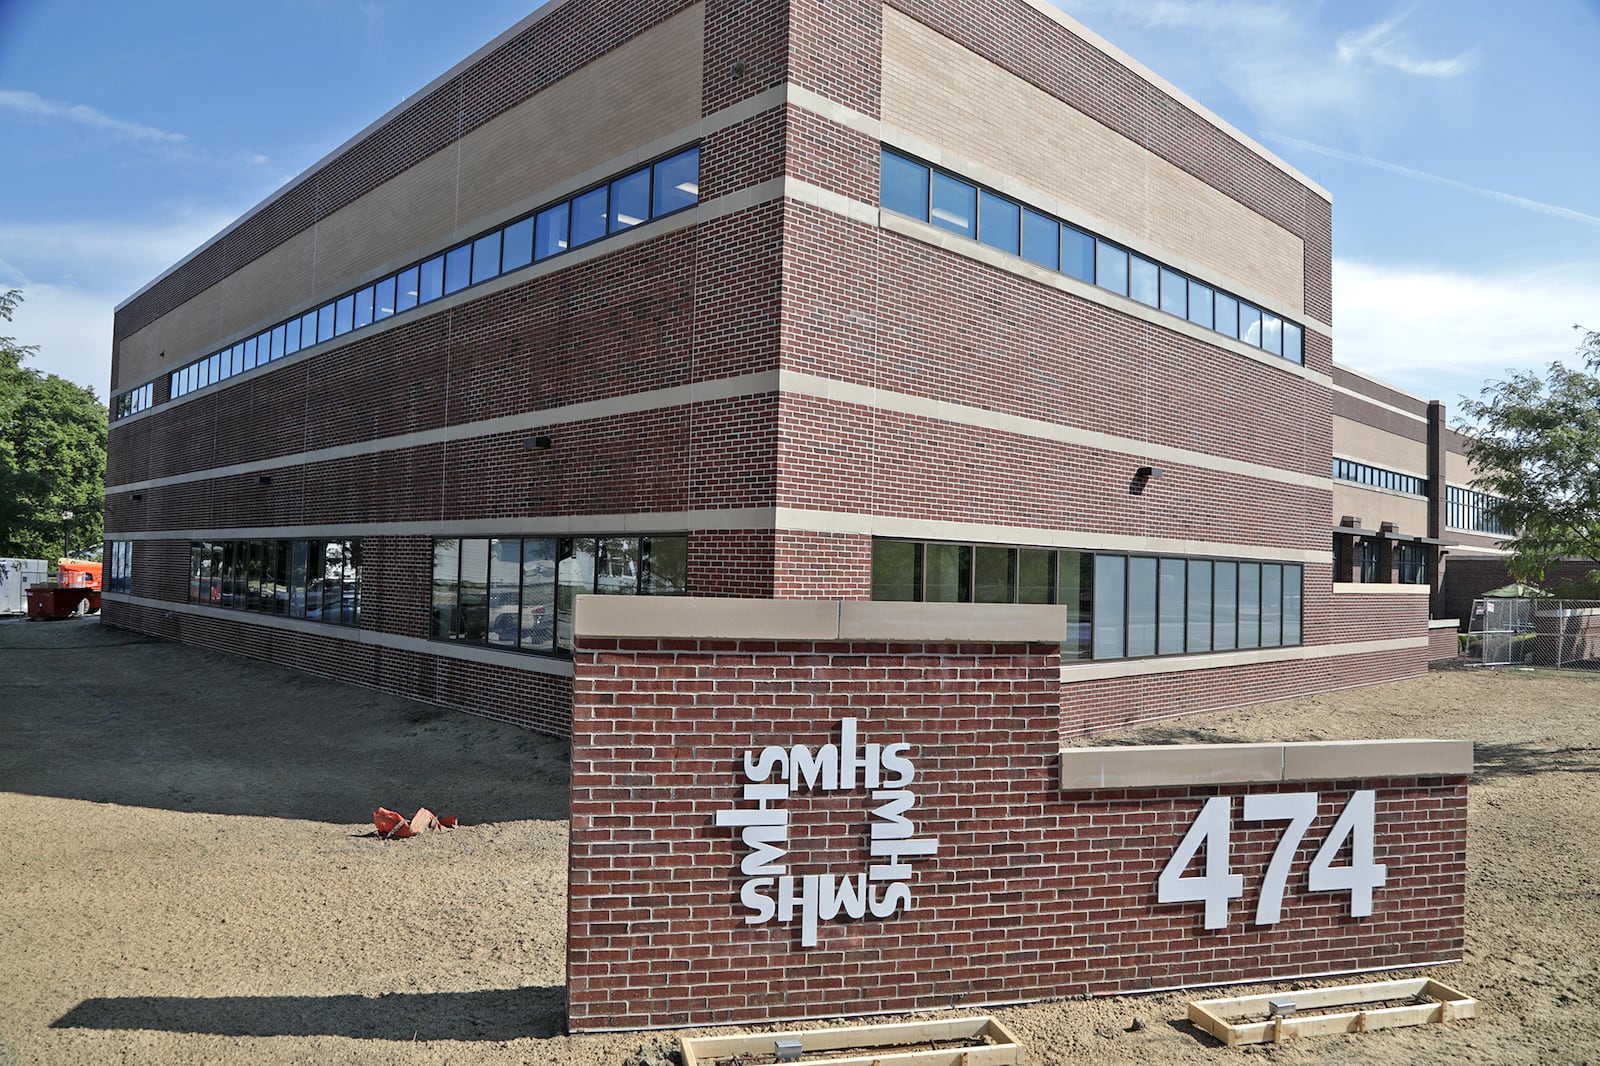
(1145, 473)
(264, 479)
(137, 496)
(539, 443)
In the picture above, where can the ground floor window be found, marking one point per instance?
(118, 575)
(317, 580)
(517, 592)
(1117, 606)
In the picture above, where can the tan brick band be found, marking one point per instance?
(1158, 766)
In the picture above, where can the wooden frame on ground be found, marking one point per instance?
(1444, 1004)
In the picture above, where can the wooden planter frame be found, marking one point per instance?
(1447, 1005)
(1004, 1051)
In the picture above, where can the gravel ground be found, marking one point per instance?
(189, 874)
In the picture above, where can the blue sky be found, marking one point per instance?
(1458, 138)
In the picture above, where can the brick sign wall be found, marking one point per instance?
(706, 825)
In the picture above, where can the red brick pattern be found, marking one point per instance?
(1034, 892)
(1443, 644)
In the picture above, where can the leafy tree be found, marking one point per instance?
(1536, 442)
(52, 455)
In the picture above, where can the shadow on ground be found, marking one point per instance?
(94, 713)
(496, 1014)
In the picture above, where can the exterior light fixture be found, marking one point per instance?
(1145, 473)
(539, 443)
(264, 479)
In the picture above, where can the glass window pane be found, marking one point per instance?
(666, 566)
(505, 590)
(995, 575)
(552, 236)
(364, 307)
(1200, 304)
(473, 601)
(1227, 315)
(1250, 324)
(903, 186)
(1041, 239)
(1078, 251)
(446, 572)
(1271, 605)
(630, 200)
(1144, 281)
(617, 566)
(278, 337)
(1171, 616)
(677, 183)
(250, 348)
(1293, 349)
(430, 280)
(955, 205)
(1225, 633)
(538, 631)
(308, 328)
(1199, 631)
(1110, 606)
(324, 323)
(896, 570)
(408, 288)
(589, 215)
(457, 268)
(999, 222)
(947, 570)
(574, 577)
(1292, 577)
(1036, 575)
(344, 315)
(1174, 293)
(297, 579)
(1249, 605)
(1141, 606)
(1111, 267)
(518, 251)
(486, 257)
(1075, 592)
(232, 363)
(1271, 333)
(383, 299)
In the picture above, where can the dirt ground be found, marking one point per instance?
(188, 874)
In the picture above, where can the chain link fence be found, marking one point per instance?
(1564, 634)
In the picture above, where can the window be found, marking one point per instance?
(999, 222)
(955, 205)
(630, 200)
(1227, 315)
(1078, 253)
(1411, 563)
(118, 576)
(518, 244)
(552, 236)
(1041, 239)
(457, 268)
(677, 182)
(486, 257)
(947, 572)
(1110, 612)
(364, 307)
(903, 186)
(1200, 310)
(1144, 281)
(1377, 477)
(589, 213)
(344, 315)
(1111, 268)
(1174, 293)
(994, 575)
(896, 570)
(314, 580)
(1475, 512)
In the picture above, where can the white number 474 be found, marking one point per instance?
(1216, 886)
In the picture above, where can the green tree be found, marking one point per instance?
(1536, 442)
(52, 456)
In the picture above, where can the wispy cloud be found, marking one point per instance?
(35, 106)
(1380, 44)
(118, 254)
(1443, 333)
(1512, 199)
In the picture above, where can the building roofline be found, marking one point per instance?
(1364, 376)
(1078, 29)
(547, 8)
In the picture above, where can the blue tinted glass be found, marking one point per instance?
(308, 328)
(903, 186)
(1293, 350)
(677, 181)
(234, 365)
(552, 235)
(998, 222)
(1250, 324)
(457, 268)
(407, 287)
(430, 280)
(1174, 293)
(1227, 315)
(1110, 606)
(277, 343)
(1111, 268)
(1200, 304)
(291, 336)
(264, 348)
(486, 257)
(1272, 333)
(383, 299)
(214, 367)
(1078, 255)
(249, 354)
(955, 205)
(630, 200)
(364, 307)
(589, 216)
(324, 323)
(344, 313)
(1144, 285)
(1041, 239)
(518, 250)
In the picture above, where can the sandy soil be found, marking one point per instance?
(188, 875)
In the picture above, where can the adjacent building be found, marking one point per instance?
(920, 300)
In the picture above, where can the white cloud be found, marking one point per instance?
(1443, 334)
(72, 329)
(35, 106)
(1378, 45)
(104, 256)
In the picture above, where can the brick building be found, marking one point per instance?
(924, 300)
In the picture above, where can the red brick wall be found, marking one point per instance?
(1033, 893)
(1443, 644)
